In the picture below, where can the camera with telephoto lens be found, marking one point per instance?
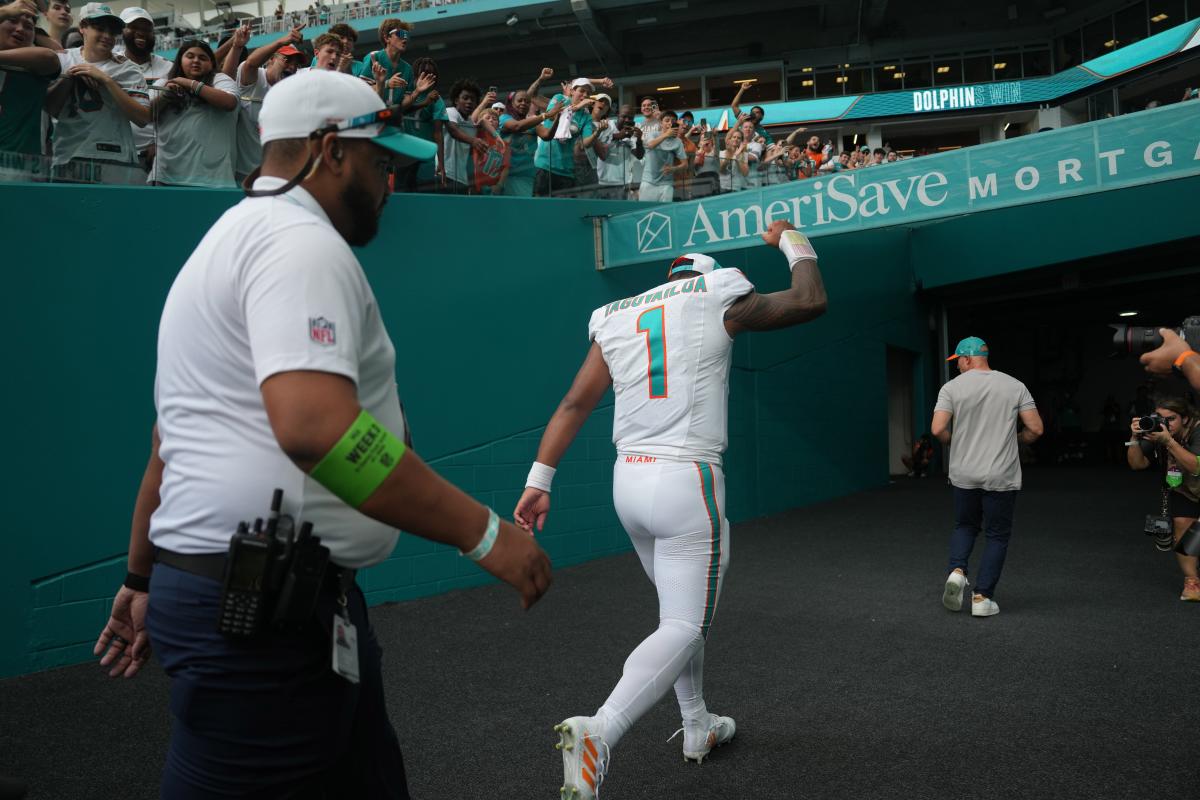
(1159, 527)
(1137, 339)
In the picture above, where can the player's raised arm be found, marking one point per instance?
(590, 384)
(803, 301)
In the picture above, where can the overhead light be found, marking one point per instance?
(666, 88)
(1006, 126)
(855, 139)
(943, 70)
(1130, 313)
(1000, 64)
(806, 69)
(842, 79)
(889, 67)
(647, 20)
(807, 82)
(845, 66)
(437, 46)
(1158, 17)
(1111, 43)
(898, 75)
(746, 80)
(511, 19)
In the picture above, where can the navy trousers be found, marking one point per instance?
(269, 718)
(976, 509)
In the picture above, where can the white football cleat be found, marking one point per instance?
(699, 739)
(585, 758)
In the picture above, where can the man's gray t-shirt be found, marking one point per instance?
(665, 154)
(984, 405)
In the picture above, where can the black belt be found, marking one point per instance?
(212, 566)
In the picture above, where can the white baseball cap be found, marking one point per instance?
(693, 262)
(134, 12)
(309, 101)
(580, 82)
(498, 106)
(95, 11)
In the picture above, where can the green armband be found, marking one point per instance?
(360, 461)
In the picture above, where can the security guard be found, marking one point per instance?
(275, 371)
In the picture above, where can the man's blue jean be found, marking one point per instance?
(992, 512)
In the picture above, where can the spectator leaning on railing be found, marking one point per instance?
(734, 166)
(454, 171)
(195, 115)
(664, 158)
(615, 150)
(138, 38)
(517, 126)
(568, 119)
(707, 181)
(281, 59)
(424, 116)
(98, 96)
(26, 72)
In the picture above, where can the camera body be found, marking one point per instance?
(1159, 527)
(1151, 422)
(1138, 339)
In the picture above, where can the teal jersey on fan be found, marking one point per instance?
(22, 95)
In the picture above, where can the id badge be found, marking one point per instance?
(345, 649)
(1174, 477)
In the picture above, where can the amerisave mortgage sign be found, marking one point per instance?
(1155, 145)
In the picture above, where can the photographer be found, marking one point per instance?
(1174, 444)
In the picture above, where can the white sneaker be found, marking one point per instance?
(983, 606)
(585, 758)
(956, 583)
(699, 739)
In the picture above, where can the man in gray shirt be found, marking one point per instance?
(985, 468)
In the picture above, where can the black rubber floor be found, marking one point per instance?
(831, 649)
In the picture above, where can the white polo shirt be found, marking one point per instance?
(272, 287)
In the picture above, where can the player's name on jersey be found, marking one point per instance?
(687, 287)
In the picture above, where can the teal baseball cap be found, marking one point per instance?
(970, 346)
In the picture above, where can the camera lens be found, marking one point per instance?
(1135, 339)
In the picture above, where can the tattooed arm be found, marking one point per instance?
(805, 300)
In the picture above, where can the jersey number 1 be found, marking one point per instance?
(650, 322)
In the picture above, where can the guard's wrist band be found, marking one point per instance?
(480, 551)
(540, 476)
(139, 583)
(1184, 356)
(359, 461)
(796, 246)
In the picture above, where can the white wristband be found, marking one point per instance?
(796, 246)
(540, 476)
(484, 547)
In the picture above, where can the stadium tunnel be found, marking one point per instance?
(1052, 328)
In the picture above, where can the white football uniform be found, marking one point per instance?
(669, 355)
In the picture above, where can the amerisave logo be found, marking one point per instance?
(654, 233)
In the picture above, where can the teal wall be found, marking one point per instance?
(487, 302)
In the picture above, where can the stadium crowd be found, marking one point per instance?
(109, 109)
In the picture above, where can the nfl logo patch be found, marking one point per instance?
(321, 331)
